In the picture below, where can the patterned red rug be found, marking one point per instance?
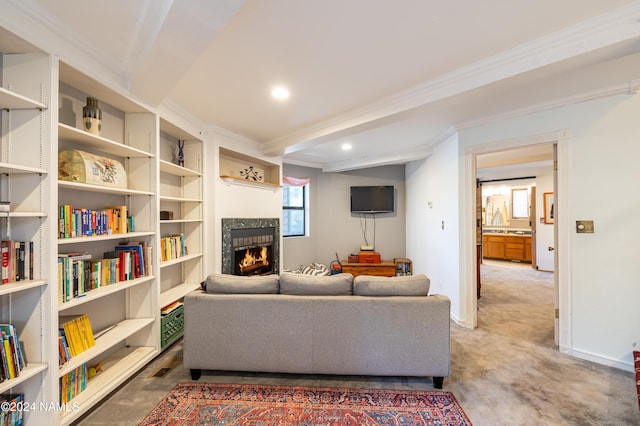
(636, 362)
(225, 404)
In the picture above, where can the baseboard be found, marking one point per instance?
(599, 359)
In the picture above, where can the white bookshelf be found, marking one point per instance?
(127, 310)
(116, 370)
(14, 101)
(128, 235)
(27, 102)
(41, 100)
(181, 193)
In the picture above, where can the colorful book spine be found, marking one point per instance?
(73, 383)
(83, 222)
(17, 260)
(11, 351)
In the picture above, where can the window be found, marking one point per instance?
(294, 210)
(520, 200)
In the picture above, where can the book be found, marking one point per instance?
(11, 351)
(13, 409)
(137, 248)
(77, 330)
(5, 261)
(73, 273)
(171, 307)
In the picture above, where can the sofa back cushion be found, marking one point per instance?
(310, 285)
(230, 284)
(411, 285)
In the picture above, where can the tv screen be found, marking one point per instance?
(372, 199)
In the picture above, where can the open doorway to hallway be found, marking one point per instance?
(515, 237)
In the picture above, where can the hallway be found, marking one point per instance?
(517, 302)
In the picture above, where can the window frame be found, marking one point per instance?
(302, 208)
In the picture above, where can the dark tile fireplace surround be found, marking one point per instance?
(257, 240)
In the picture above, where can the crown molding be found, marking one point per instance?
(630, 88)
(604, 30)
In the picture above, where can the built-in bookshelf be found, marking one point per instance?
(41, 107)
(181, 213)
(26, 183)
(122, 306)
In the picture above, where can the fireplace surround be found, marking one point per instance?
(255, 237)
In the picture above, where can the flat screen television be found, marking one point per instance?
(372, 199)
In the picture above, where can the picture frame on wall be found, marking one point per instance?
(549, 207)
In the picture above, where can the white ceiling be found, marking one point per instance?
(391, 78)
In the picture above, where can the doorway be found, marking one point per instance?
(512, 194)
(559, 139)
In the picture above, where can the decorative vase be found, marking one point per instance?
(92, 116)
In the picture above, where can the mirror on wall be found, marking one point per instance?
(506, 206)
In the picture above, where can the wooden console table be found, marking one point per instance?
(382, 269)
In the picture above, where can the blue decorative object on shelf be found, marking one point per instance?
(181, 153)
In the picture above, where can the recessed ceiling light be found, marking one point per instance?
(280, 92)
(346, 146)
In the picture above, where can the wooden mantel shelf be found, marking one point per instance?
(240, 181)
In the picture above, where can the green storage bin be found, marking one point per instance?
(171, 326)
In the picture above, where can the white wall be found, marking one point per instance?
(432, 189)
(334, 229)
(602, 175)
(544, 231)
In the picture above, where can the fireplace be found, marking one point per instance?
(250, 246)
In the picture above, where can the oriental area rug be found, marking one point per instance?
(227, 404)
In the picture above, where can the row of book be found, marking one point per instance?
(81, 222)
(79, 272)
(17, 260)
(173, 247)
(72, 383)
(12, 353)
(74, 336)
(13, 415)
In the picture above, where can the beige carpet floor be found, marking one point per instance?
(506, 372)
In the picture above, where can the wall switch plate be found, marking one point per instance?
(584, 226)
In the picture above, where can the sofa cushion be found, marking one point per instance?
(256, 284)
(310, 285)
(411, 285)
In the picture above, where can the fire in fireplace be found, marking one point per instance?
(256, 260)
(250, 246)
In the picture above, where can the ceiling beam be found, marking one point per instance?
(614, 27)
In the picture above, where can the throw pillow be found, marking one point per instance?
(315, 269)
(229, 284)
(323, 285)
(411, 285)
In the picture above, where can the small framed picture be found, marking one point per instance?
(549, 207)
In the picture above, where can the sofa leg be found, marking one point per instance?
(195, 373)
(437, 382)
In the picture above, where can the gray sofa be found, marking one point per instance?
(295, 323)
